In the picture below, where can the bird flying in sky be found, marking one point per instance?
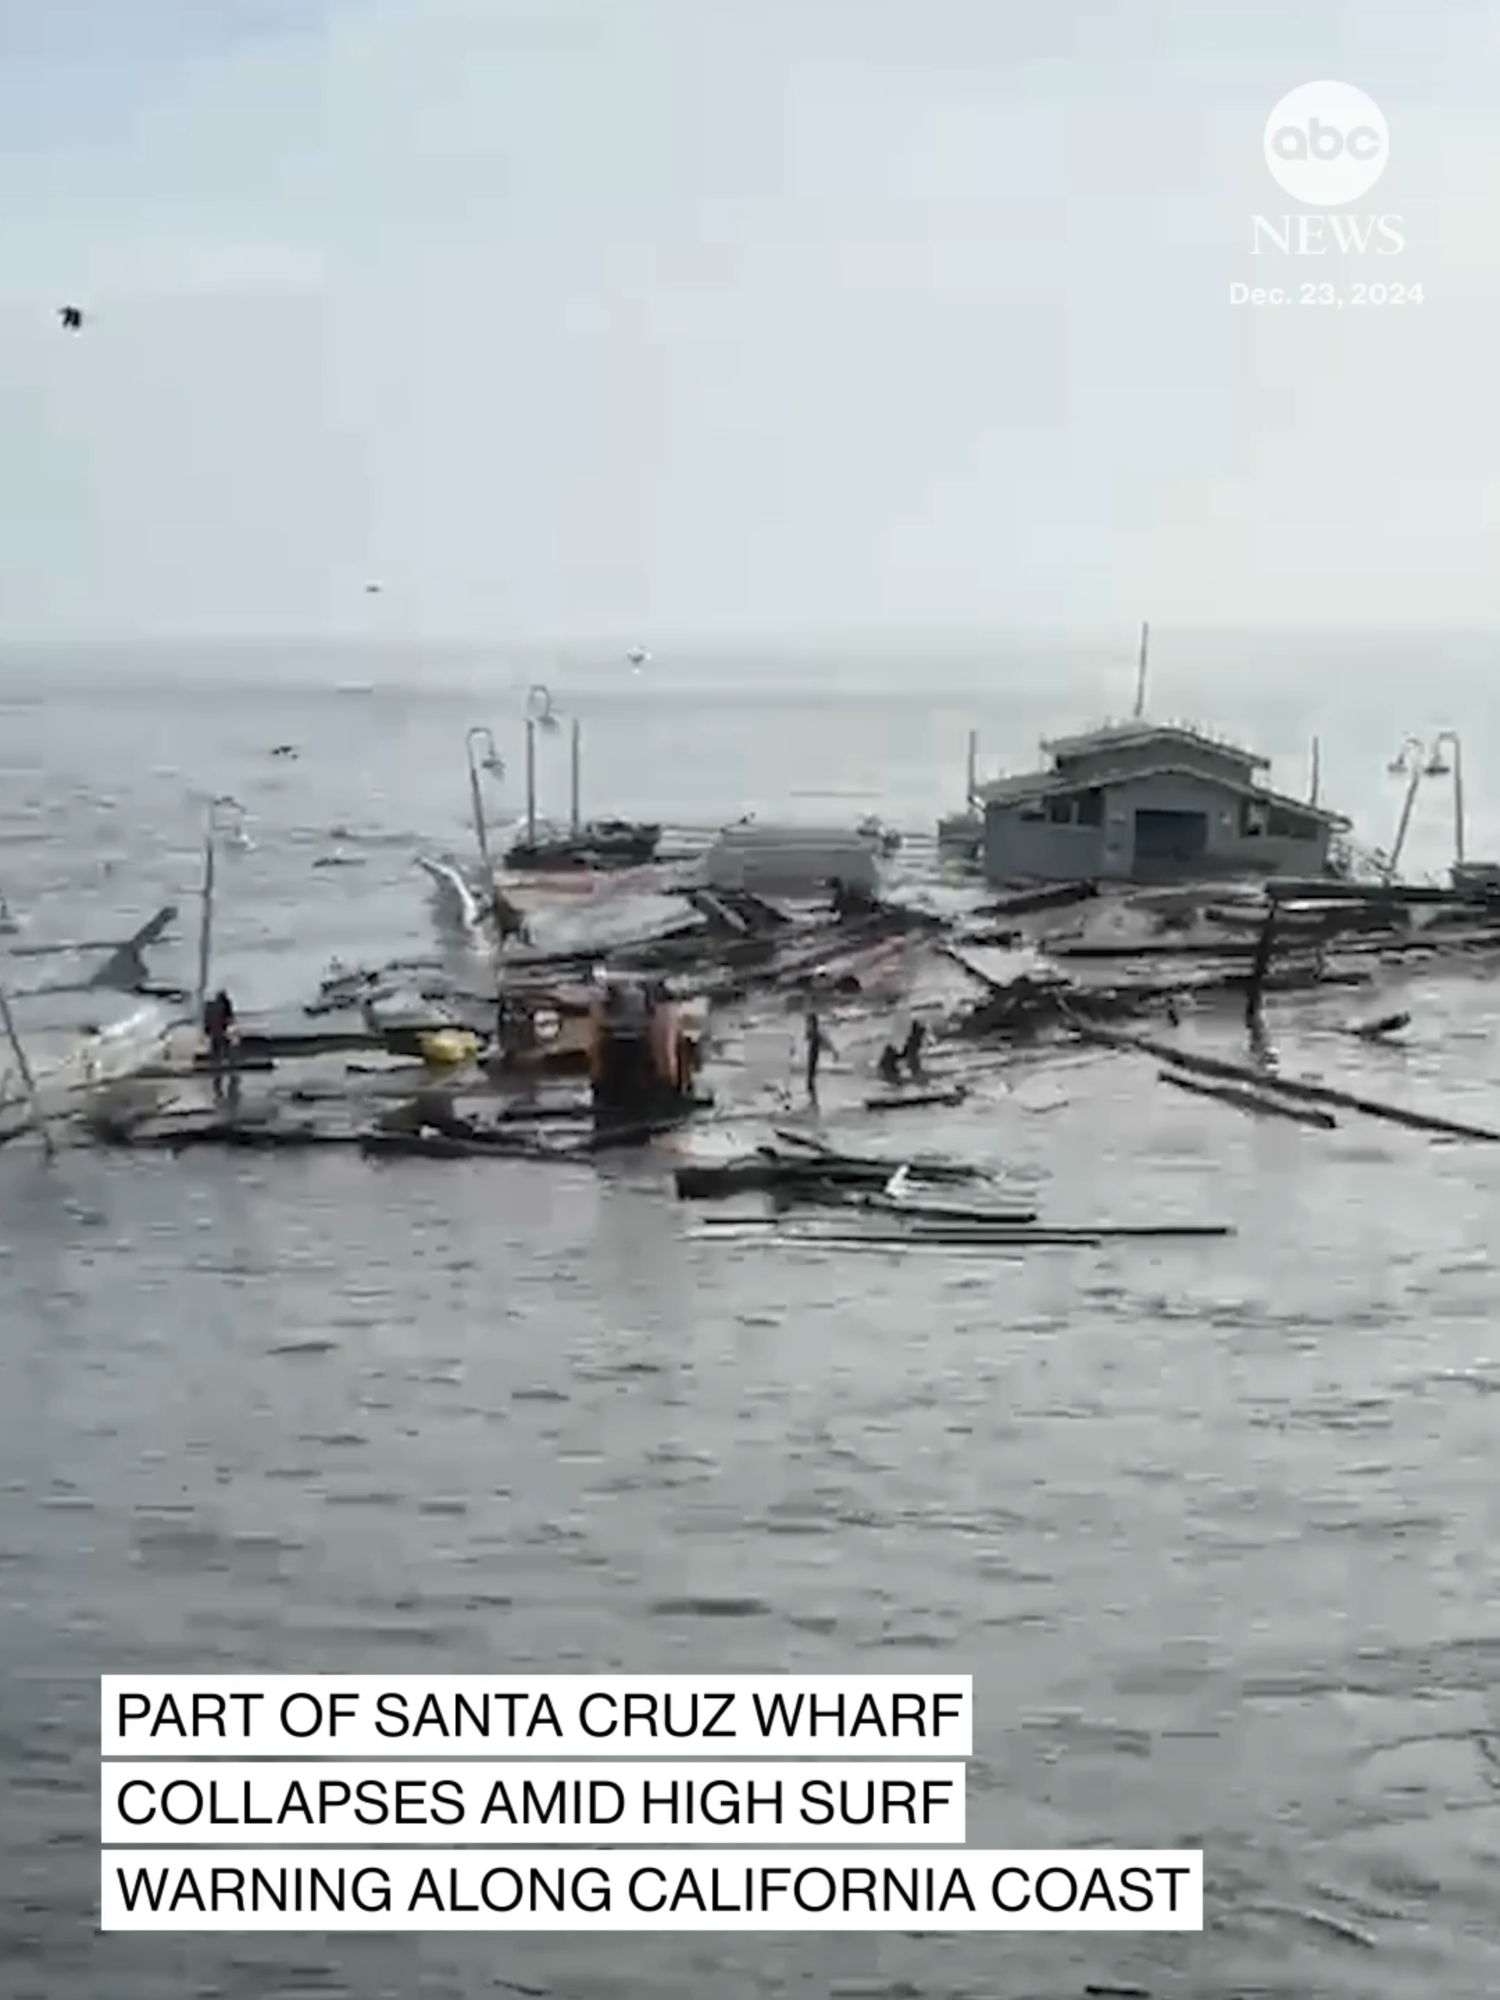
(71, 317)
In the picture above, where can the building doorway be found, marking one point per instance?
(1170, 839)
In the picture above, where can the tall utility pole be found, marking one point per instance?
(540, 714)
(1140, 671)
(214, 826)
(492, 764)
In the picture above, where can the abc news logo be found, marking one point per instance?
(1326, 145)
(1326, 142)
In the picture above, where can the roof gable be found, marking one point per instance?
(1021, 790)
(1172, 738)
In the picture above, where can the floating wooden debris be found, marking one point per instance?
(816, 1166)
(765, 1174)
(1055, 896)
(793, 1237)
(915, 1100)
(919, 1216)
(1311, 1093)
(180, 1136)
(921, 1166)
(952, 1237)
(443, 1146)
(888, 1245)
(1188, 949)
(957, 1232)
(1255, 1101)
(897, 1198)
(1374, 1031)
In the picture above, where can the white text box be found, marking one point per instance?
(837, 1889)
(517, 1715)
(447, 1804)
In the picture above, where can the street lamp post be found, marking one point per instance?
(1409, 762)
(1436, 768)
(492, 764)
(215, 824)
(1415, 763)
(540, 714)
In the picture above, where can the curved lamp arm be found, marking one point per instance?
(540, 709)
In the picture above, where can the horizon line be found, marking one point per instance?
(884, 639)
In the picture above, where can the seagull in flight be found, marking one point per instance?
(71, 317)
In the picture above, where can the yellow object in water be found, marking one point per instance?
(445, 1048)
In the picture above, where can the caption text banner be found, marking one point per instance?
(836, 1889)
(571, 1715)
(451, 1804)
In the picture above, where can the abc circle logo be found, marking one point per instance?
(1326, 144)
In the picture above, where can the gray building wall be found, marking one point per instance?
(1019, 848)
(1227, 846)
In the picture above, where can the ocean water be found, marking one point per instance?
(1211, 1524)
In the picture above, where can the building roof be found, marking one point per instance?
(758, 835)
(1028, 785)
(1127, 735)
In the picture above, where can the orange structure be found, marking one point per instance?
(643, 1055)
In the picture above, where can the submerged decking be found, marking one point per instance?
(1039, 1005)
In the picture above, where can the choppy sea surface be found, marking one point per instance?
(1212, 1524)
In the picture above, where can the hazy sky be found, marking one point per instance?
(730, 317)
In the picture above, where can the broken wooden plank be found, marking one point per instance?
(1253, 1101)
(789, 1136)
(742, 1229)
(719, 912)
(175, 1137)
(913, 1100)
(443, 1146)
(793, 1239)
(1156, 948)
(888, 1213)
(1372, 1031)
(1034, 978)
(1050, 896)
(1311, 1093)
